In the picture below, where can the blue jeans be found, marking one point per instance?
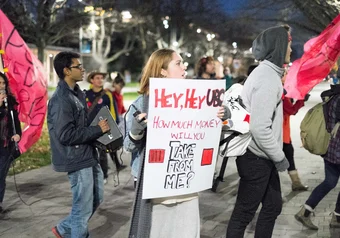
(87, 188)
(135, 158)
(332, 173)
(5, 164)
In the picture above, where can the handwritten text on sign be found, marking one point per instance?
(189, 99)
(183, 135)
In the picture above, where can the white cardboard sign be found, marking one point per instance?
(182, 136)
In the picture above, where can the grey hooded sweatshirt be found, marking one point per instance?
(262, 94)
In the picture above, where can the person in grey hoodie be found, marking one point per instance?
(258, 167)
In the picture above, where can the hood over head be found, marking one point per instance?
(271, 45)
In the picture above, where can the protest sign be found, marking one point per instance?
(182, 136)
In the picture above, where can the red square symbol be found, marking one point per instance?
(207, 156)
(156, 156)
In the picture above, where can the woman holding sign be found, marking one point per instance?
(176, 216)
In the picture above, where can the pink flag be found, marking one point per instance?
(27, 81)
(320, 55)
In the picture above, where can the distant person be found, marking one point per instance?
(334, 78)
(228, 78)
(116, 88)
(118, 84)
(96, 99)
(205, 68)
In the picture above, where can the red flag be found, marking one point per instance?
(320, 55)
(27, 82)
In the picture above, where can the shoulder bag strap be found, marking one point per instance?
(95, 102)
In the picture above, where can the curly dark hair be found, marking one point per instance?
(202, 64)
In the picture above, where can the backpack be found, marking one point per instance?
(313, 131)
(235, 136)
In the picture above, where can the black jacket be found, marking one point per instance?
(5, 113)
(70, 136)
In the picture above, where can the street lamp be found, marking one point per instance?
(234, 44)
(166, 24)
(93, 26)
(126, 15)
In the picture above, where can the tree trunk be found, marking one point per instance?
(41, 51)
(103, 67)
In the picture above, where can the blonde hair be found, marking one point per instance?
(158, 60)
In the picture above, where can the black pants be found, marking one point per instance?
(288, 149)
(259, 183)
(5, 164)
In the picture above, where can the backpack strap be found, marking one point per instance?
(326, 99)
(335, 129)
(227, 140)
(95, 102)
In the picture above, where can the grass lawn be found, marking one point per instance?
(130, 95)
(37, 156)
(132, 85)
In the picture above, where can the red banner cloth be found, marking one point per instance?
(27, 82)
(320, 55)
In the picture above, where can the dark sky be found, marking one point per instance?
(233, 6)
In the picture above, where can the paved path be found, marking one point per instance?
(48, 194)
